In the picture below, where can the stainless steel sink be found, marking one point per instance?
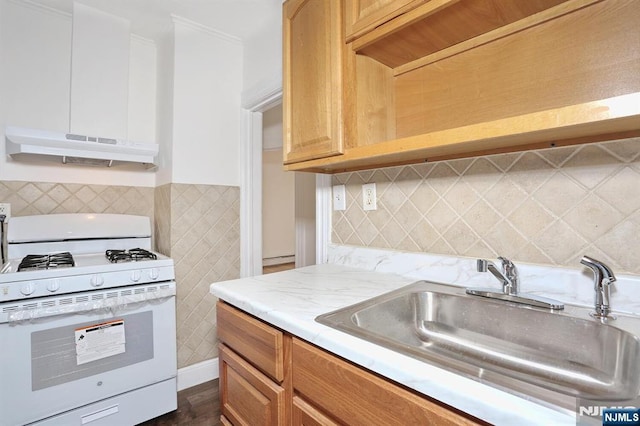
(507, 344)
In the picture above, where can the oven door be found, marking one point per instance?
(67, 352)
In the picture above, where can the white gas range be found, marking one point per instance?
(88, 311)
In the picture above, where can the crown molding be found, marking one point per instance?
(33, 5)
(205, 29)
(143, 40)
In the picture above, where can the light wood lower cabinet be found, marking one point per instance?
(247, 396)
(304, 414)
(316, 388)
(357, 397)
(258, 342)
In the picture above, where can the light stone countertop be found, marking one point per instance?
(291, 300)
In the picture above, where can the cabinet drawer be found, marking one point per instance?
(358, 397)
(247, 396)
(259, 343)
(306, 415)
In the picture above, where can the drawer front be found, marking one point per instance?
(248, 397)
(256, 341)
(306, 415)
(358, 397)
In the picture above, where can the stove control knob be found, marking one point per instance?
(53, 285)
(28, 288)
(154, 273)
(97, 280)
(135, 276)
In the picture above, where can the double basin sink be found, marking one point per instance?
(514, 346)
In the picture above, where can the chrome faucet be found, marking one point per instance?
(508, 276)
(603, 278)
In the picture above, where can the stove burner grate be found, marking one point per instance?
(131, 255)
(46, 261)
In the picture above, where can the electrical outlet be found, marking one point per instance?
(339, 197)
(369, 196)
(5, 209)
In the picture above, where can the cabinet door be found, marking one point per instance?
(313, 54)
(362, 16)
(248, 397)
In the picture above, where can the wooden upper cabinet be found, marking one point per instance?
(443, 79)
(362, 16)
(313, 55)
(438, 24)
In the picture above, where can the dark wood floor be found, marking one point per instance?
(197, 406)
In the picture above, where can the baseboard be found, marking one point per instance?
(195, 374)
(279, 260)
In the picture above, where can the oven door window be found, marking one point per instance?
(53, 351)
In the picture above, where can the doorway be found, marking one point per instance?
(312, 194)
(278, 198)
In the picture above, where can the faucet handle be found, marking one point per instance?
(482, 265)
(508, 267)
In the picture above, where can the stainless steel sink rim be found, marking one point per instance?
(573, 373)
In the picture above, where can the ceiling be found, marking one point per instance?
(151, 18)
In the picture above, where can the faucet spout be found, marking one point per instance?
(508, 275)
(603, 278)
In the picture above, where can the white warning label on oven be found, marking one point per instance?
(99, 341)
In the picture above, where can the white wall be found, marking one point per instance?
(278, 191)
(141, 120)
(35, 53)
(206, 106)
(164, 109)
(263, 57)
(272, 128)
(278, 207)
(100, 51)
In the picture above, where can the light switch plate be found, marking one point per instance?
(339, 197)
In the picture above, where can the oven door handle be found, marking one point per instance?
(113, 305)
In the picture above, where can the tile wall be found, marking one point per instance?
(199, 227)
(546, 207)
(29, 198)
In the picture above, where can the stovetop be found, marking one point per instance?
(65, 260)
(92, 271)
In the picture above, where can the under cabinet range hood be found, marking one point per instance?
(72, 148)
